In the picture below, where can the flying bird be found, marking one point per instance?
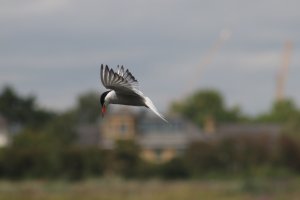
(123, 89)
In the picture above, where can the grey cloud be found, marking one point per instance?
(57, 47)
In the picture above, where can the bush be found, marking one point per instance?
(232, 156)
(126, 158)
(241, 154)
(174, 169)
(290, 152)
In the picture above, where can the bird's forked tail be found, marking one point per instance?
(152, 107)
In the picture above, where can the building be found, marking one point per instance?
(88, 135)
(228, 130)
(159, 141)
(4, 133)
(267, 132)
(162, 141)
(120, 125)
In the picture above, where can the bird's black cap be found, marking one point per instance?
(103, 95)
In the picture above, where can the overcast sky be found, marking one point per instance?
(53, 48)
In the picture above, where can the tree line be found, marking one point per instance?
(232, 157)
(45, 145)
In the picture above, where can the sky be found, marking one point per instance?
(53, 49)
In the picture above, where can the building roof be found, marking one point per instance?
(3, 123)
(155, 133)
(253, 129)
(123, 111)
(4, 134)
(88, 135)
(157, 141)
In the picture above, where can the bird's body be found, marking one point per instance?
(114, 97)
(123, 90)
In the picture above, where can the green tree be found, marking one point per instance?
(78, 163)
(281, 112)
(203, 104)
(22, 110)
(63, 128)
(88, 107)
(285, 113)
(175, 169)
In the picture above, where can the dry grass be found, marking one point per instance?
(115, 189)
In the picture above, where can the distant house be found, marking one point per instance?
(246, 130)
(88, 135)
(267, 132)
(162, 141)
(159, 141)
(249, 129)
(120, 125)
(4, 133)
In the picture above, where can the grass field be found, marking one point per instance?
(116, 189)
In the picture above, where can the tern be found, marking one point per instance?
(123, 89)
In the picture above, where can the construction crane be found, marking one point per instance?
(283, 71)
(224, 35)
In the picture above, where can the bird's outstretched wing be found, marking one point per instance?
(121, 81)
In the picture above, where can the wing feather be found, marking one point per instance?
(118, 69)
(121, 71)
(111, 76)
(121, 81)
(106, 74)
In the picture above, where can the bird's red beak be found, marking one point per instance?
(103, 110)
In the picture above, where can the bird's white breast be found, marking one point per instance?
(111, 97)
